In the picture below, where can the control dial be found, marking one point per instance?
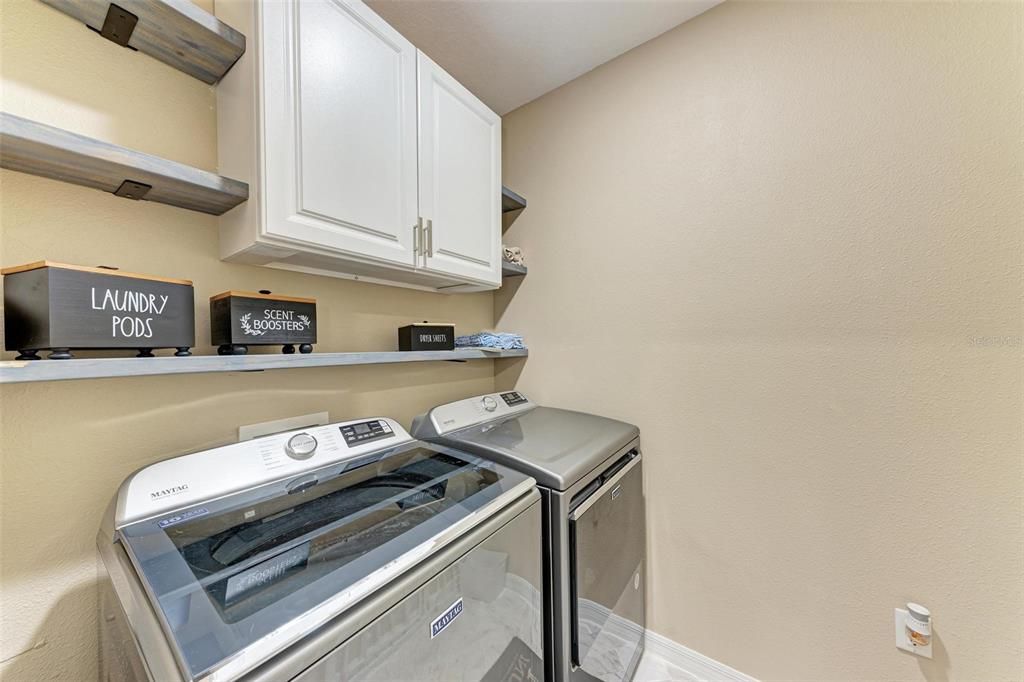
(301, 446)
(489, 403)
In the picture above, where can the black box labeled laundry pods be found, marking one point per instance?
(426, 336)
(60, 308)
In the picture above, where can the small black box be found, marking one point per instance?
(426, 336)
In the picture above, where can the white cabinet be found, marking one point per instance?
(459, 177)
(340, 119)
(364, 158)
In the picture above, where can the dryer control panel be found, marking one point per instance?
(471, 411)
(513, 398)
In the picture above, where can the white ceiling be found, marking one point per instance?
(509, 52)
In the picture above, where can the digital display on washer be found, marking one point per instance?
(364, 432)
(513, 398)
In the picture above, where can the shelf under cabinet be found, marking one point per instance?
(512, 270)
(176, 32)
(510, 201)
(38, 149)
(17, 371)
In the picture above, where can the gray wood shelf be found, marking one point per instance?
(50, 152)
(176, 32)
(512, 270)
(15, 371)
(510, 201)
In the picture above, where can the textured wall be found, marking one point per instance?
(66, 446)
(785, 239)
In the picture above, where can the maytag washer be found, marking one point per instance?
(346, 551)
(589, 470)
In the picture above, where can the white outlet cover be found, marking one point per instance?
(251, 431)
(903, 642)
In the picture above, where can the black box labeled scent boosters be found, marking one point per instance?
(60, 308)
(426, 336)
(239, 319)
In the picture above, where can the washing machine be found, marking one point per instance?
(590, 473)
(345, 551)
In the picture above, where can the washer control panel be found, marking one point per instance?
(358, 433)
(180, 482)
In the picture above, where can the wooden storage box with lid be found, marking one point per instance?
(239, 319)
(60, 308)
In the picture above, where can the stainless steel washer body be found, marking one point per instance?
(590, 473)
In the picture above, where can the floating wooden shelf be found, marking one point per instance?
(15, 371)
(176, 32)
(510, 201)
(39, 149)
(512, 270)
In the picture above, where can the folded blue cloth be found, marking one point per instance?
(491, 340)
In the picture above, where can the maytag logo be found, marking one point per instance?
(167, 492)
(445, 619)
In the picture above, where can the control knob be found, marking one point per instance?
(301, 446)
(489, 403)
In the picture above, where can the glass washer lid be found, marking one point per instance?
(230, 572)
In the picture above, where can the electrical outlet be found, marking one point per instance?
(903, 642)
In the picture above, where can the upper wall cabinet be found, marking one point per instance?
(459, 177)
(364, 158)
(340, 138)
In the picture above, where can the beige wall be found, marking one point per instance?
(785, 239)
(66, 446)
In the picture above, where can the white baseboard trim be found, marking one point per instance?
(696, 664)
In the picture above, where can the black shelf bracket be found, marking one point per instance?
(130, 189)
(118, 26)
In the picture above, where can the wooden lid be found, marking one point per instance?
(82, 268)
(255, 294)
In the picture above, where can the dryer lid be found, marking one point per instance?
(236, 579)
(557, 447)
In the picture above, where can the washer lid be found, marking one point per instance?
(556, 447)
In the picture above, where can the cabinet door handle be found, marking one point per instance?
(416, 229)
(430, 237)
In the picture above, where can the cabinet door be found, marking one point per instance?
(339, 101)
(460, 178)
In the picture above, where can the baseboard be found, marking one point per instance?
(696, 664)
